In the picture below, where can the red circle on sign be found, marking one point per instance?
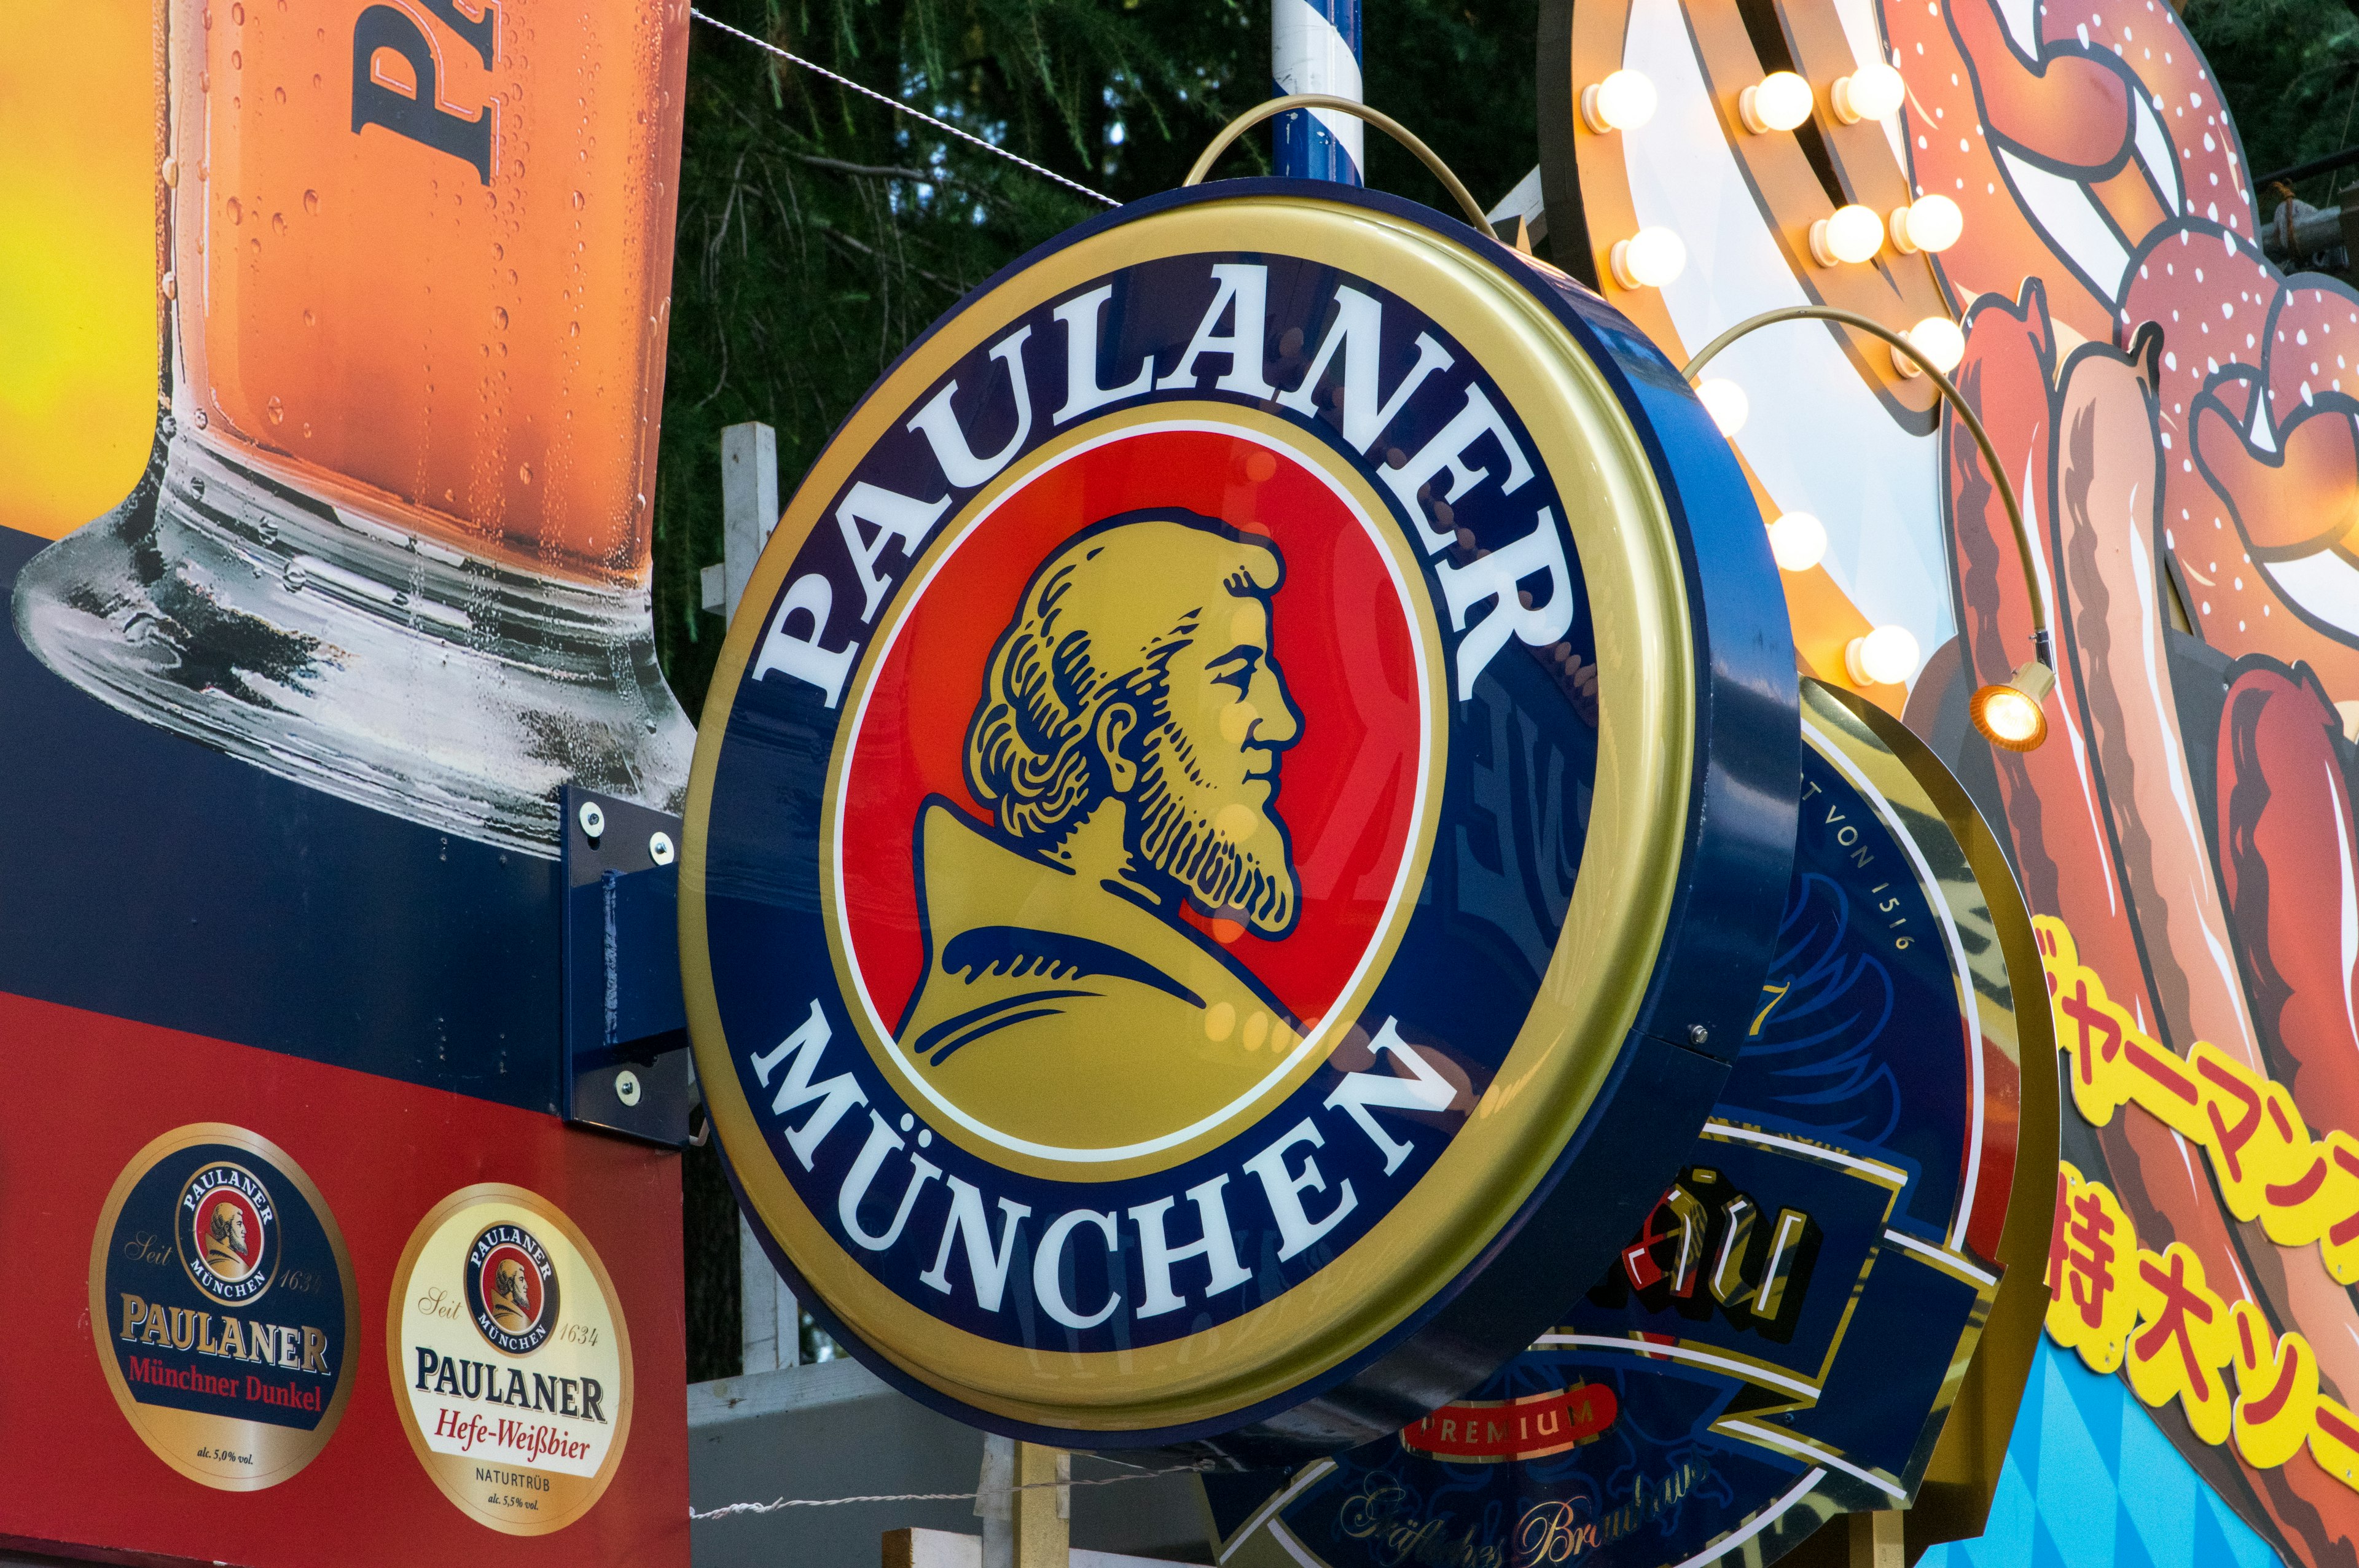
(1341, 636)
(241, 1239)
(525, 1297)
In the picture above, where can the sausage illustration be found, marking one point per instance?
(2289, 869)
(2109, 481)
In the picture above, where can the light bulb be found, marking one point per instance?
(1870, 92)
(1939, 339)
(1928, 223)
(2010, 715)
(1849, 234)
(1726, 403)
(1623, 102)
(1780, 101)
(1798, 541)
(1648, 259)
(1885, 656)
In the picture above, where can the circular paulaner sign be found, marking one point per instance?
(221, 1297)
(1195, 820)
(511, 1361)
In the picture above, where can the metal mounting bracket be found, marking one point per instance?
(627, 1067)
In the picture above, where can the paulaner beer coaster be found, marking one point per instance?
(510, 1359)
(223, 1303)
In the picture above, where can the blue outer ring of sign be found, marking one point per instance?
(1729, 885)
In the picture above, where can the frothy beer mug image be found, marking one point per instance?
(393, 543)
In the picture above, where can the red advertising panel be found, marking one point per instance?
(201, 1458)
(311, 1265)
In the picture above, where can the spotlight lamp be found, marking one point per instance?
(1928, 223)
(1885, 656)
(2010, 715)
(1778, 102)
(1938, 339)
(1623, 102)
(1851, 233)
(1872, 92)
(1647, 259)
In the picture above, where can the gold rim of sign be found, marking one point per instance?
(279, 1451)
(1434, 705)
(1988, 1375)
(1613, 930)
(454, 1473)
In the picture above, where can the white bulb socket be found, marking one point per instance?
(1780, 101)
(1928, 223)
(1938, 339)
(1798, 541)
(1885, 656)
(1726, 403)
(1872, 92)
(1851, 235)
(1623, 102)
(1647, 259)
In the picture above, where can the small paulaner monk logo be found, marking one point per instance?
(228, 1232)
(1127, 741)
(512, 1289)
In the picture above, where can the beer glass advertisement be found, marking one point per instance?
(329, 408)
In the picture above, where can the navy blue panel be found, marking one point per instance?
(152, 878)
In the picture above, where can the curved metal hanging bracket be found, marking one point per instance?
(1998, 710)
(2039, 634)
(1376, 117)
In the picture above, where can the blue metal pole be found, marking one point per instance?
(1315, 47)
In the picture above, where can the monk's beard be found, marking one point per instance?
(1187, 832)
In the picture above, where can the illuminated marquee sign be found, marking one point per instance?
(1192, 833)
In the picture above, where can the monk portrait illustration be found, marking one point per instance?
(1127, 744)
(511, 1302)
(229, 1252)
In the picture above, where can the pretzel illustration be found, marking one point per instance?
(2180, 421)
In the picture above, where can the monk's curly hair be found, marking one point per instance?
(1029, 756)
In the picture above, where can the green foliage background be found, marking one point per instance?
(819, 232)
(2289, 72)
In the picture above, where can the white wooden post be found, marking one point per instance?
(749, 510)
(770, 1318)
(1026, 1520)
